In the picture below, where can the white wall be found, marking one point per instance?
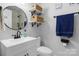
(48, 29)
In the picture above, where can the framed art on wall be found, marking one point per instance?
(58, 5)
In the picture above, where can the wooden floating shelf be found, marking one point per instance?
(38, 7)
(36, 15)
(38, 19)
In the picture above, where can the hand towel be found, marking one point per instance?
(65, 25)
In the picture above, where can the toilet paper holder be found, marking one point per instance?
(66, 41)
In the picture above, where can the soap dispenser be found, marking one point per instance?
(24, 34)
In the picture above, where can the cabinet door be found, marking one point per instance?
(32, 47)
(22, 53)
(16, 49)
(25, 52)
(31, 51)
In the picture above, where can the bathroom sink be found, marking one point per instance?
(20, 47)
(13, 42)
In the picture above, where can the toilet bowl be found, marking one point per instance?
(44, 51)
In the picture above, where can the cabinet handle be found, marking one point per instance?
(25, 55)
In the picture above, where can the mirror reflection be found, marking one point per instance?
(15, 18)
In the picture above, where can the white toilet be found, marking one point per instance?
(44, 51)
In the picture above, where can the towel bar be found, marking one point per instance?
(71, 13)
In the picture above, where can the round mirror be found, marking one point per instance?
(15, 18)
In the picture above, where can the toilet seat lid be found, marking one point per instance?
(44, 50)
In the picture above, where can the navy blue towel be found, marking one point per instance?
(65, 25)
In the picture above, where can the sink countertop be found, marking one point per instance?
(13, 42)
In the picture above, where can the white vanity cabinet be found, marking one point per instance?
(20, 47)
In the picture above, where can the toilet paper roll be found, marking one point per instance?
(64, 44)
